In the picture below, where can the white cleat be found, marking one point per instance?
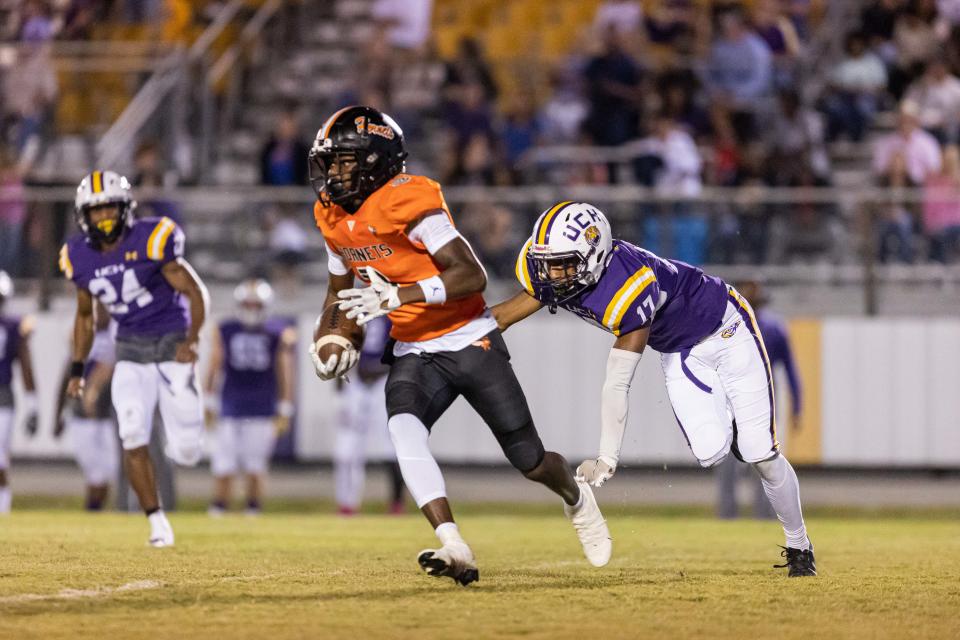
(161, 533)
(591, 527)
(452, 560)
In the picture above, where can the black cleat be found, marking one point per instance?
(800, 562)
(435, 564)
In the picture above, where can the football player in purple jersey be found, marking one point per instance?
(714, 360)
(14, 347)
(135, 267)
(253, 355)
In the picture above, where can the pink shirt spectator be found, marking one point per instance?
(920, 150)
(941, 204)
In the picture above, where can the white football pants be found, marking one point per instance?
(6, 433)
(722, 390)
(137, 389)
(242, 444)
(96, 449)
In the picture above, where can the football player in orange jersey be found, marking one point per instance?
(395, 232)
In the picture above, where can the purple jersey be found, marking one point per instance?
(250, 368)
(9, 348)
(679, 302)
(128, 279)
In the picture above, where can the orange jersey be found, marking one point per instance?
(376, 235)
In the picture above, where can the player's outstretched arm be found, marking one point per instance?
(181, 276)
(210, 380)
(614, 402)
(82, 341)
(285, 372)
(511, 311)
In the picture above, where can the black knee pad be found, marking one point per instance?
(522, 447)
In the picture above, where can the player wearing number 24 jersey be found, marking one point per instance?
(135, 268)
(713, 358)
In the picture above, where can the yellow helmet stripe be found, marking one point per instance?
(523, 269)
(97, 181)
(544, 228)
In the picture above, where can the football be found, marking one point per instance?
(334, 321)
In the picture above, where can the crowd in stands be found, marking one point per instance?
(698, 94)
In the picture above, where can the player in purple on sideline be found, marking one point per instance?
(135, 267)
(254, 356)
(14, 347)
(714, 362)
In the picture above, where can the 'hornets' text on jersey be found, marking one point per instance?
(128, 279)
(679, 302)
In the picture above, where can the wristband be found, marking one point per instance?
(76, 369)
(285, 409)
(434, 292)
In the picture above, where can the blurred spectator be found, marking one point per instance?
(149, 175)
(492, 233)
(623, 16)
(283, 160)
(879, 18)
(469, 67)
(777, 31)
(739, 73)
(941, 208)
(564, 111)
(678, 95)
(920, 150)
(937, 96)
(856, 85)
(949, 12)
(678, 162)
(519, 133)
(795, 139)
(807, 232)
(415, 89)
(668, 30)
(30, 88)
(896, 219)
(798, 12)
(672, 165)
(38, 23)
(916, 42)
(470, 124)
(13, 211)
(613, 87)
(407, 21)
(79, 19)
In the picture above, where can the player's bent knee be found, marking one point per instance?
(133, 429)
(523, 448)
(716, 457)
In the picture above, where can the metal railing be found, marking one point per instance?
(871, 244)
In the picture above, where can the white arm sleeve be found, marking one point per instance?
(434, 232)
(621, 365)
(335, 263)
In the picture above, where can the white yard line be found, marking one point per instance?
(76, 594)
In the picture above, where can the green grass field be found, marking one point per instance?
(64, 574)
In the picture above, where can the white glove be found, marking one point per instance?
(336, 365)
(380, 298)
(596, 472)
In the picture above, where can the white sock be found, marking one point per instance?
(6, 497)
(783, 490)
(158, 521)
(420, 470)
(449, 532)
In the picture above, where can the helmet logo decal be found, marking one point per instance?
(382, 130)
(592, 235)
